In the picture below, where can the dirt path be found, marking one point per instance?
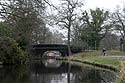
(115, 57)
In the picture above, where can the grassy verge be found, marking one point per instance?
(98, 60)
(94, 57)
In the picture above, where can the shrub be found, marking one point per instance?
(10, 52)
(6, 30)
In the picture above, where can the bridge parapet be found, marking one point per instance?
(39, 49)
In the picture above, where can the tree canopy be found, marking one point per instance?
(95, 26)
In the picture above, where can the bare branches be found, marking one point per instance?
(67, 15)
(118, 20)
(16, 4)
(121, 21)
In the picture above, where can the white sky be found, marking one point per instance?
(106, 4)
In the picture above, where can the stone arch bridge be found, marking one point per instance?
(40, 49)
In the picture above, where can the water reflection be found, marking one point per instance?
(51, 63)
(62, 72)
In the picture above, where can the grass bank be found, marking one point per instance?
(98, 60)
(95, 58)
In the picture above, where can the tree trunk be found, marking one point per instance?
(69, 31)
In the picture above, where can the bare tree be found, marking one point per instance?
(118, 20)
(67, 15)
(110, 42)
(76, 40)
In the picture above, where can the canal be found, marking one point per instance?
(54, 71)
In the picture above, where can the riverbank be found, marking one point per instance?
(95, 58)
(98, 62)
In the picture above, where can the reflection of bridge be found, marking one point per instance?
(63, 68)
(39, 49)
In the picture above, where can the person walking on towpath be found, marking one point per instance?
(104, 52)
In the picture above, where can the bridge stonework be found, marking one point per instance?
(39, 49)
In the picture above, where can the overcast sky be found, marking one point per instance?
(106, 4)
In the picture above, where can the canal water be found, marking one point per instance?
(54, 71)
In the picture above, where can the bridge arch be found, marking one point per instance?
(40, 49)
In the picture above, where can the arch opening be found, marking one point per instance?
(52, 53)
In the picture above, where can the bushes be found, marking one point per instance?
(10, 53)
(5, 30)
(76, 49)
